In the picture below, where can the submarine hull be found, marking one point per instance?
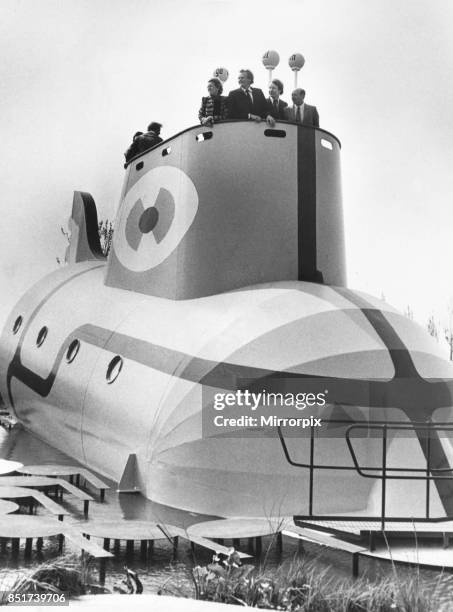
(119, 374)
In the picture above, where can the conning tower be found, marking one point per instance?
(214, 209)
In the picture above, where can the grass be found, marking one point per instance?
(306, 586)
(66, 574)
(296, 585)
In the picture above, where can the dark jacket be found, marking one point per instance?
(277, 114)
(147, 141)
(132, 151)
(239, 105)
(311, 116)
(142, 143)
(213, 107)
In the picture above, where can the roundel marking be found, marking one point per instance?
(145, 238)
(148, 220)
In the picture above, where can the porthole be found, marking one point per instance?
(275, 133)
(166, 151)
(139, 166)
(326, 144)
(17, 324)
(203, 136)
(72, 351)
(41, 336)
(114, 369)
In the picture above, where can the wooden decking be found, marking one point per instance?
(399, 542)
(72, 471)
(11, 492)
(146, 531)
(42, 483)
(20, 527)
(360, 528)
(6, 507)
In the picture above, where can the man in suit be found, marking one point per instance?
(275, 106)
(301, 112)
(246, 102)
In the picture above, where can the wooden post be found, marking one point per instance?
(106, 543)
(150, 547)
(355, 565)
(236, 543)
(143, 549)
(116, 547)
(175, 546)
(280, 542)
(129, 547)
(250, 544)
(102, 568)
(15, 543)
(258, 546)
(28, 547)
(60, 542)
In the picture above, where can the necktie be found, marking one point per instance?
(298, 117)
(276, 104)
(248, 93)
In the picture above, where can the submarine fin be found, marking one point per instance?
(84, 243)
(129, 482)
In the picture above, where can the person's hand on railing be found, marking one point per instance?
(270, 121)
(207, 120)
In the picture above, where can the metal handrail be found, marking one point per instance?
(407, 427)
(429, 472)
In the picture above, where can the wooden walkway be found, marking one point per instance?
(6, 507)
(393, 530)
(329, 541)
(72, 471)
(425, 554)
(20, 527)
(145, 532)
(10, 492)
(42, 482)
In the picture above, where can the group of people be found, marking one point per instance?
(249, 102)
(246, 102)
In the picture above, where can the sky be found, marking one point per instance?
(79, 77)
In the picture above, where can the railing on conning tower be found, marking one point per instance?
(269, 132)
(383, 472)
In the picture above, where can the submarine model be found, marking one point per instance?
(228, 265)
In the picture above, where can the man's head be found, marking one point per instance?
(154, 127)
(245, 78)
(275, 88)
(137, 134)
(298, 96)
